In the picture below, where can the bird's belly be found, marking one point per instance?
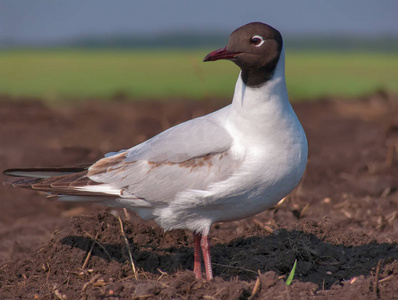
(251, 203)
(268, 183)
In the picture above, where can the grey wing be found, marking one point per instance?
(187, 140)
(192, 155)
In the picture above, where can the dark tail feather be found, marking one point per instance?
(43, 173)
(22, 182)
(63, 182)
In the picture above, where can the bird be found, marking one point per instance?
(224, 166)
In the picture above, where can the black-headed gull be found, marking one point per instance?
(224, 166)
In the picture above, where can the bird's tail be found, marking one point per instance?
(43, 172)
(65, 183)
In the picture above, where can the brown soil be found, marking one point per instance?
(340, 224)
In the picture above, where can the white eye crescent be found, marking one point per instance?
(257, 40)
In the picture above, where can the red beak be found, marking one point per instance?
(220, 54)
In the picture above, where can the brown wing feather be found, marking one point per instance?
(108, 164)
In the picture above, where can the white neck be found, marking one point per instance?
(263, 105)
(274, 87)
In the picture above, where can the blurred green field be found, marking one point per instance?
(165, 74)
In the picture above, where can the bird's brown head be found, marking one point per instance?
(255, 48)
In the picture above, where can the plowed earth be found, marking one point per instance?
(341, 223)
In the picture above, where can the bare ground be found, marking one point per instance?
(340, 224)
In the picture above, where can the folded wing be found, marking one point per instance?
(192, 155)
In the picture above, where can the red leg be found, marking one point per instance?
(206, 256)
(197, 269)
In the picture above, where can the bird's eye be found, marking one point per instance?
(257, 40)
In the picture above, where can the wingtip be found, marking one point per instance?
(7, 172)
(43, 173)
